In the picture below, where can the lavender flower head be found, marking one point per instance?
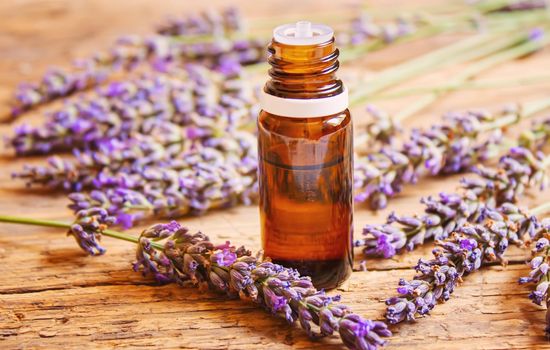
(463, 252)
(224, 268)
(87, 229)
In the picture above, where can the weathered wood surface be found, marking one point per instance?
(53, 296)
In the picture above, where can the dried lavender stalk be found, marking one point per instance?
(519, 169)
(539, 275)
(197, 98)
(186, 257)
(448, 148)
(462, 253)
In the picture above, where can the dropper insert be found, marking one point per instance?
(303, 33)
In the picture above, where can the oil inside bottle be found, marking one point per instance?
(305, 195)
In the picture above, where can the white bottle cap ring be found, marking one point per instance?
(303, 33)
(304, 108)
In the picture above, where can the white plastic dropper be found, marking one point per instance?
(303, 33)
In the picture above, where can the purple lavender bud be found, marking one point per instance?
(224, 257)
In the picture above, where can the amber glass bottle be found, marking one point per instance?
(305, 151)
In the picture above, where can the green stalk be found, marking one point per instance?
(527, 110)
(467, 49)
(526, 47)
(541, 209)
(58, 224)
(467, 85)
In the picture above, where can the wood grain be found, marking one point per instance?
(53, 296)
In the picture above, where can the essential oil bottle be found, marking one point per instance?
(306, 157)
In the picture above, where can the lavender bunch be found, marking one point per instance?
(201, 180)
(519, 169)
(137, 178)
(462, 253)
(539, 270)
(452, 147)
(160, 53)
(197, 98)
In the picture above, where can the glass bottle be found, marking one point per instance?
(306, 157)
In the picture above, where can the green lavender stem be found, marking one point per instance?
(468, 49)
(525, 47)
(541, 209)
(466, 85)
(59, 224)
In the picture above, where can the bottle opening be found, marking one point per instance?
(303, 33)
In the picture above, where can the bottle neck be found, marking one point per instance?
(303, 71)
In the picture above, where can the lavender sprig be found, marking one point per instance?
(516, 171)
(223, 22)
(234, 271)
(170, 253)
(162, 192)
(540, 274)
(443, 149)
(462, 253)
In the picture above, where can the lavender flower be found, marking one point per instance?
(516, 171)
(443, 149)
(463, 252)
(539, 270)
(138, 178)
(281, 291)
(87, 229)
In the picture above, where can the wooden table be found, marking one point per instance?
(53, 296)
